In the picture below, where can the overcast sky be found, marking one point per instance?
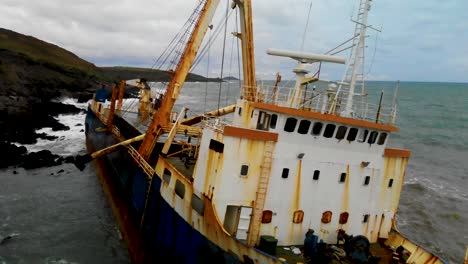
(422, 40)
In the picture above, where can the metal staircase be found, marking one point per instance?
(262, 189)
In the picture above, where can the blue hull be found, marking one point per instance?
(162, 236)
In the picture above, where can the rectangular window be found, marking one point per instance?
(365, 218)
(341, 132)
(274, 119)
(304, 126)
(216, 146)
(244, 170)
(290, 124)
(240, 111)
(367, 180)
(317, 129)
(390, 183)
(343, 177)
(363, 135)
(372, 137)
(382, 138)
(329, 130)
(180, 189)
(352, 134)
(263, 122)
(285, 173)
(167, 176)
(316, 175)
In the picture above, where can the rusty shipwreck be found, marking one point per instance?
(299, 175)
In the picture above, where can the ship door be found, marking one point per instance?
(237, 221)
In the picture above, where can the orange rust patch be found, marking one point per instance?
(397, 153)
(325, 117)
(250, 134)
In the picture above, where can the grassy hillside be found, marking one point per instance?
(128, 73)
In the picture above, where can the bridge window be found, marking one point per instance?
(316, 175)
(352, 134)
(216, 146)
(180, 189)
(372, 137)
(263, 121)
(329, 130)
(367, 180)
(341, 132)
(390, 183)
(304, 126)
(317, 128)
(382, 138)
(274, 119)
(343, 177)
(285, 173)
(363, 135)
(239, 111)
(290, 124)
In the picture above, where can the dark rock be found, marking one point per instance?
(79, 124)
(43, 158)
(60, 171)
(15, 172)
(11, 154)
(69, 159)
(82, 130)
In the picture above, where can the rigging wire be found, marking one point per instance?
(373, 55)
(222, 57)
(207, 70)
(238, 53)
(230, 70)
(306, 26)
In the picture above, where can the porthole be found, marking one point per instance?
(316, 175)
(367, 180)
(344, 218)
(343, 177)
(285, 173)
(298, 217)
(244, 170)
(267, 215)
(326, 217)
(390, 183)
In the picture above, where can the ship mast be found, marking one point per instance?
(161, 117)
(247, 43)
(354, 73)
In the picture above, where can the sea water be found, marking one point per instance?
(64, 217)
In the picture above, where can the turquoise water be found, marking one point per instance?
(433, 122)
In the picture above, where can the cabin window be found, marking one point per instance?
(216, 146)
(316, 175)
(372, 137)
(344, 218)
(326, 217)
(365, 218)
(329, 130)
(343, 177)
(352, 134)
(390, 183)
(273, 121)
(367, 180)
(251, 114)
(263, 121)
(298, 216)
(244, 170)
(180, 189)
(317, 128)
(167, 176)
(239, 111)
(285, 173)
(363, 135)
(267, 215)
(197, 204)
(304, 126)
(341, 132)
(382, 138)
(290, 124)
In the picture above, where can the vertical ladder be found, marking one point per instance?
(262, 189)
